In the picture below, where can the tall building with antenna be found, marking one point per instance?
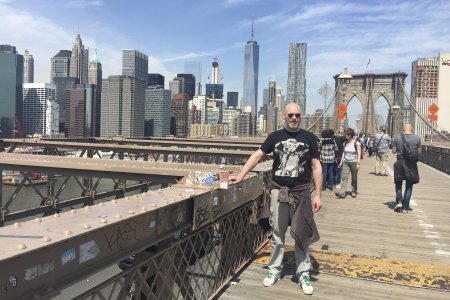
(79, 60)
(251, 69)
(214, 89)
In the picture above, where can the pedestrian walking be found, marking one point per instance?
(296, 162)
(340, 141)
(382, 144)
(370, 143)
(328, 148)
(350, 162)
(407, 146)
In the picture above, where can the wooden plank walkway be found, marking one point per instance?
(367, 227)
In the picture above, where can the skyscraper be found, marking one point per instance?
(428, 86)
(296, 83)
(232, 99)
(188, 84)
(60, 76)
(265, 97)
(80, 110)
(195, 68)
(179, 114)
(123, 107)
(135, 64)
(251, 69)
(79, 61)
(271, 107)
(424, 90)
(155, 79)
(11, 94)
(95, 77)
(28, 67)
(214, 89)
(60, 64)
(40, 110)
(157, 112)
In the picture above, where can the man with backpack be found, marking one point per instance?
(381, 146)
(407, 146)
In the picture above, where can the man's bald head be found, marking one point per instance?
(407, 128)
(292, 107)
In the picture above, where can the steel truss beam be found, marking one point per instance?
(42, 256)
(117, 148)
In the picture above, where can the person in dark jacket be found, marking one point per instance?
(296, 162)
(404, 169)
(340, 141)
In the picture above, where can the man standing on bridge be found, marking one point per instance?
(405, 168)
(382, 144)
(296, 162)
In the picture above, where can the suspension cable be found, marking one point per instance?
(421, 117)
(323, 113)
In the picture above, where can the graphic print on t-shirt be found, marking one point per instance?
(290, 157)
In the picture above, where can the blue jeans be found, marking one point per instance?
(337, 172)
(328, 173)
(404, 200)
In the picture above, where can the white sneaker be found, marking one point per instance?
(271, 279)
(398, 207)
(305, 283)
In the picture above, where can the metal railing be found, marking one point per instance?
(196, 266)
(436, 157)
(182, 242)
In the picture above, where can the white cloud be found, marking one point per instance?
(186, 56)
(238, 2)
(83, 4)
(44, 38)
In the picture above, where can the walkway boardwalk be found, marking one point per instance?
(366, 250)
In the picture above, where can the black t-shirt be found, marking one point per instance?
(292, 152)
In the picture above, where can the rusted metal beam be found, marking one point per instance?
(235, 153)
(74, 166)
(196, 143)
(42, 256)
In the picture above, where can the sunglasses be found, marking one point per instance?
(291, 115)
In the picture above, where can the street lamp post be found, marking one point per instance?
(395, 112)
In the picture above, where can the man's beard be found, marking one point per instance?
(292, 126)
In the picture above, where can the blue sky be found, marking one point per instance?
(339, 34)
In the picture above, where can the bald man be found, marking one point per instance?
(404, 169)
(296, 162)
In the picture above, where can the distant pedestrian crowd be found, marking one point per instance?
(341, 154)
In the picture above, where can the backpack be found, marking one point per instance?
(375, 146)
(410, 154)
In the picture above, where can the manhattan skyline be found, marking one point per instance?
(339, 34)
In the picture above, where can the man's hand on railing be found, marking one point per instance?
(235, 178)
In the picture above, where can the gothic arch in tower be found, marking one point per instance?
(368, 88)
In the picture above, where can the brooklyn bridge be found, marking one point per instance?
(167, 224)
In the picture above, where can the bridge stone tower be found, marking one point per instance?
(368, 88)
